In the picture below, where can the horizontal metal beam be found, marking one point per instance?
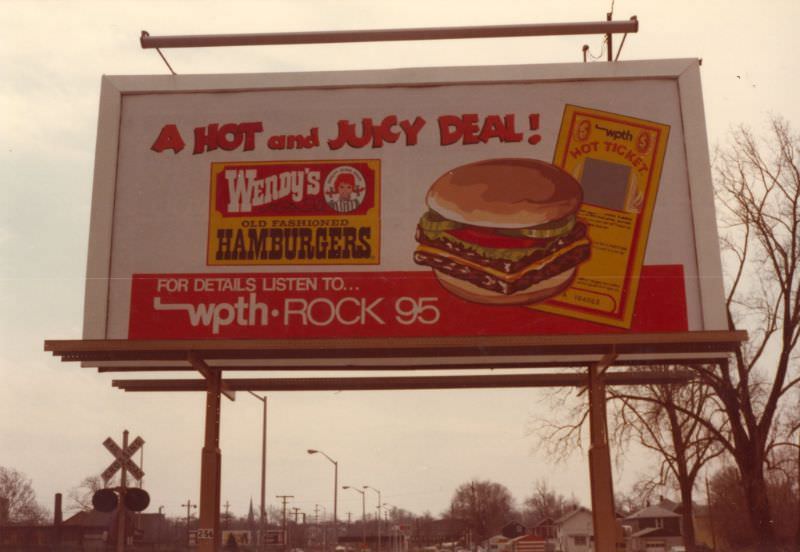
(646, 344)
(411, 366)
(386, 35)
(408, 383)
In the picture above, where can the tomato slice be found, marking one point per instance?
(486, 237)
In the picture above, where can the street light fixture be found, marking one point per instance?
(262, 518)
(363, 514)
(335, 493)
(379, 513)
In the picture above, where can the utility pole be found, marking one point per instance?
(285, 499)
(227, 514)
(188, 507)
(296, 514)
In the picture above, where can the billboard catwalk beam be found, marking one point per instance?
(406, 383)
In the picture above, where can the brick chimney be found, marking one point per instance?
(57, 515)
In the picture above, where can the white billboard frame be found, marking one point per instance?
(683, 72)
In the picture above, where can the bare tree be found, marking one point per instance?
(484, 505)
(81, 496)
(638, 497)
(19, 498)
(758, 185)
(544, 503)
(667, 420)
(729, 507)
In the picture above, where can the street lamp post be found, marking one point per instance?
(262, 518)
(335, 493)
(363, 514)
(379, 513)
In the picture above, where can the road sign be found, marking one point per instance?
(123, 458)
(274, 536)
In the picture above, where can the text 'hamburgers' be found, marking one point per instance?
(503, 231)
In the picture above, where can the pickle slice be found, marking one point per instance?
(550, 230)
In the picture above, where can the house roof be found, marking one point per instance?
(89, 518)
(668, 504)
(93, 518)
(574, 512)
(653, 512)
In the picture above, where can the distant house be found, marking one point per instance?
(513, 530)
(654, 529)
(93, 528)
(497, 543)
(574, 531)
(528, 543)
(434, 532)
(545, 528)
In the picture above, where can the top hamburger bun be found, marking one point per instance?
(505, 193)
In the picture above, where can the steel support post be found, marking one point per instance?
(607, 534)
(208, 535)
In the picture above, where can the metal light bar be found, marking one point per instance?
(385, 35)
(399, 383)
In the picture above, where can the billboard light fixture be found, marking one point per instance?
(388, 35)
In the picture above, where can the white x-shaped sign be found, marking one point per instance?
(123, 458)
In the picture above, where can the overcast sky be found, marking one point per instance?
(416, 447)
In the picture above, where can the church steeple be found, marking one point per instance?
(251, 516)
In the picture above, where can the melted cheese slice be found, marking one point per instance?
(499, 274)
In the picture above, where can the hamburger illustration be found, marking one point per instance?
(503, 231)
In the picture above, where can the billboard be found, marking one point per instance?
(437, 202)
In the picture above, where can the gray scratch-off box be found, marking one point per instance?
(606, 184)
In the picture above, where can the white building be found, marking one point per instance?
(574, 531)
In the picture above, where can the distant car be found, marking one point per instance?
(677, 549)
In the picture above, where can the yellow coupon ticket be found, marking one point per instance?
(618, 161)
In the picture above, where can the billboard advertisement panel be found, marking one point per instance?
(455, 202)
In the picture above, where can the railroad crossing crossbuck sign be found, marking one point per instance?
(123, 459)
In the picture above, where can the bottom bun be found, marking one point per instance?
(534, 294)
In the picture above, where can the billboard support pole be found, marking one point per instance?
(603, 517)
(208, 533)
